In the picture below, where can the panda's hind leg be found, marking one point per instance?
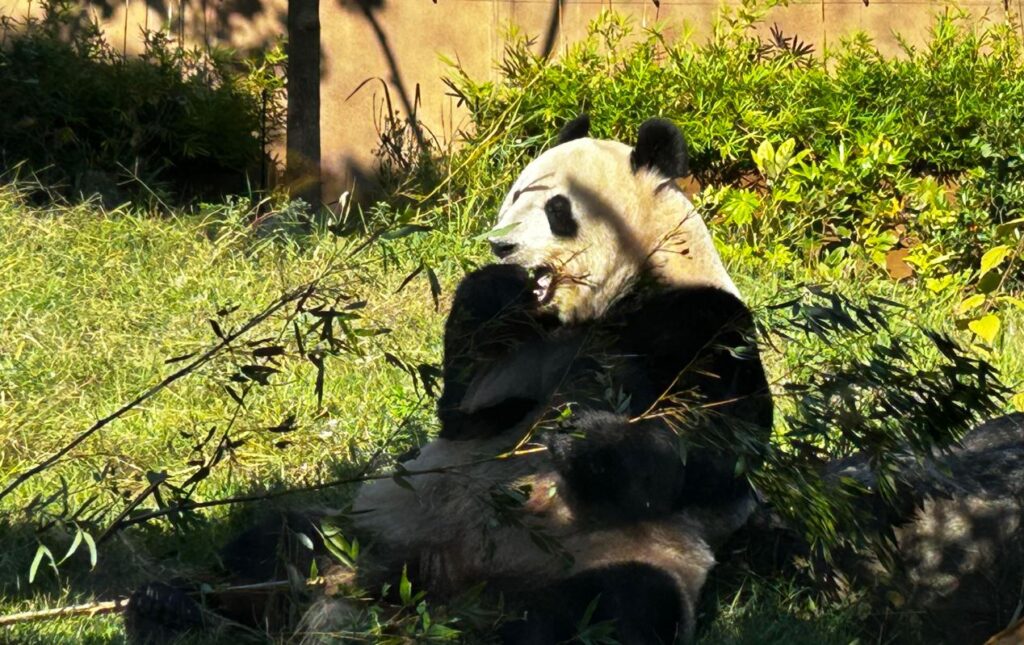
(641, 604)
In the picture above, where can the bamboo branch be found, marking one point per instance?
(204, 358)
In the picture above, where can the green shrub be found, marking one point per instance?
(82, 119)
(849, 162)
(842, 167)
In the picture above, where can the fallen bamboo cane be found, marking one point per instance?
(86, 609)
(115, 606)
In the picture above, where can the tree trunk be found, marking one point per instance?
(302, 174)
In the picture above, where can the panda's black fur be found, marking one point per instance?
(693, 341)
(689, 341)
(633, 489)
(618, 464)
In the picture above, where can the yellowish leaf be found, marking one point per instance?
(1018, 401)
(1006, 228)
(937, 285)
(1013, 300)
(969, 303)
(895, 599)
(985, 327)
(993, 258)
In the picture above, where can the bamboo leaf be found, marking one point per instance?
(40, 552)
(91, 543)
(498, 232)
(74, 546)
(405, 588)
(435, 287)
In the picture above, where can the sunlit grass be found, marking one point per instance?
(93, 303)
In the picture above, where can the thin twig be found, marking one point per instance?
(121, 521)
(244, 499)
(204, 358)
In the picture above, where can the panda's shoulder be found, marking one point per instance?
(688, 305)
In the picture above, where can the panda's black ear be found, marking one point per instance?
(575, 129)
(660, 145)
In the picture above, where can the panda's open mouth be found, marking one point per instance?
(544, 285)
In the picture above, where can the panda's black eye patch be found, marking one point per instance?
(560, 220)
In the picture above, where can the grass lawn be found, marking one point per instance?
(94, 303)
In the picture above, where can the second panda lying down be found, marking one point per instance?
(599, 384)
(610, 301)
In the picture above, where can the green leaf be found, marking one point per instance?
(989, 282)
(91, 543)
(74, 546)
(985, 327)
(969, 303)
(588, 615)
(40, 552)
(739, 206)
(405, 588)
(741, 466)
(993, 258)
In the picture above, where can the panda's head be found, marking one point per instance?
(588, 217)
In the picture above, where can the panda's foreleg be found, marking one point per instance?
(700, 340)
(492, 315)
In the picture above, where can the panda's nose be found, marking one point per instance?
(502, 249)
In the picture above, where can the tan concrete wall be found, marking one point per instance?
(367, 45)
(242, 24)
(417, 31)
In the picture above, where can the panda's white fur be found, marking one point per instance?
(630, 223)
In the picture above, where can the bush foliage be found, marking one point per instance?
(81, 118)
(911, 167)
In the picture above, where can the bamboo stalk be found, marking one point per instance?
(119, 605)
(86, 609)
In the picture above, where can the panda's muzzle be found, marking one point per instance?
(502, 249)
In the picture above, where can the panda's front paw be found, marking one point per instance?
(493, 289)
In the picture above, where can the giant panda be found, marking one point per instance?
(602, 388)
(602, 375)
